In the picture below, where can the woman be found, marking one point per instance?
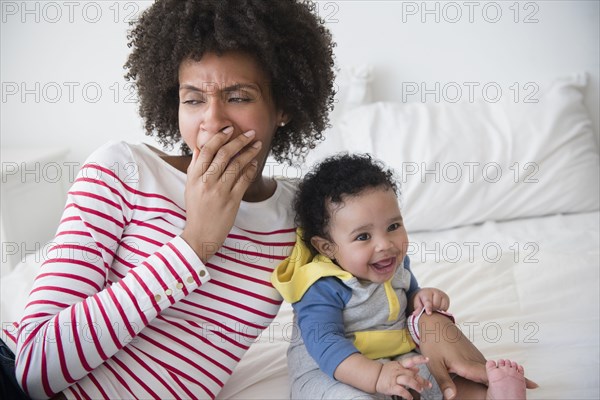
(159, 278)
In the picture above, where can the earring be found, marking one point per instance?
(282, 124)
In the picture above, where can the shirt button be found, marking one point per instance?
(202, 273)
(168, 292)
(157, 297)
(179, 285)
(190, 279)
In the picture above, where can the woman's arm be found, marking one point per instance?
(449, 351)
(76, 318)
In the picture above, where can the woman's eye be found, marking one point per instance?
(192, 102)
(238, 99)
(238, 96)
(363, 236)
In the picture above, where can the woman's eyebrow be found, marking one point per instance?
(241, 86)
(210, 87)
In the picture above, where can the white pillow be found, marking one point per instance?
(465, 163)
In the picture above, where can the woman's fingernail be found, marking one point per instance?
(228, 130)
(257, 144)
(249, 133)
(449, 393)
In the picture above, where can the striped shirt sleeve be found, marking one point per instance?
(76, 317)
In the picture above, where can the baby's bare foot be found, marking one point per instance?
(506, 380)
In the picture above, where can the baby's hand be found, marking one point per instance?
(430, 299)
(397, 377)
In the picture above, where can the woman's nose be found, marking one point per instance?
(215, 116)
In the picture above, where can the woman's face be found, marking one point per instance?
(226, 90)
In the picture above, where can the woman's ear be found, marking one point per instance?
(283, 118)
(323, 246)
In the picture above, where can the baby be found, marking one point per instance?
(354, 296)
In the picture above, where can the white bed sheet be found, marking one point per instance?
(536, 301)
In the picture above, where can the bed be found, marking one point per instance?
(541, 311)
(501, 204)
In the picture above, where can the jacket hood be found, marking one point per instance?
(300, 270)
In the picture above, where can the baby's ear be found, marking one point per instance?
(323, 246)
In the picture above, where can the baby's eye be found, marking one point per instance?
(363, 236)
(393, 226)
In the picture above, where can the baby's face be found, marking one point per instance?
(369, 237)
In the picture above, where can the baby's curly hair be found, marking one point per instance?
(330, 181)
(286, 38)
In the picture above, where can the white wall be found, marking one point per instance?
(62, 82)
(62, 76)
(449, 43)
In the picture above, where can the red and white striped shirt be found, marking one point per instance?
(122, 307)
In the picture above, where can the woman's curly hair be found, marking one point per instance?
(286, 38)
(329, 182)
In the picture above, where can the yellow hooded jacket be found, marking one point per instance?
(297, 273)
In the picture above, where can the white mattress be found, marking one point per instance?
(535, 301)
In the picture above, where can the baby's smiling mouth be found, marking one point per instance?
(385, 263)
